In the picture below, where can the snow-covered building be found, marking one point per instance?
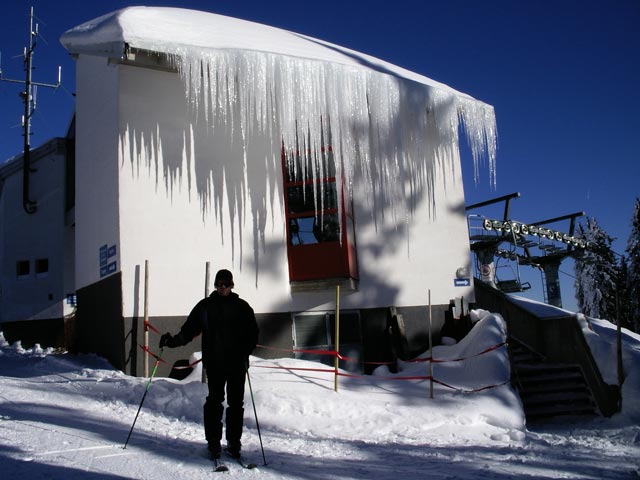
(298, 164)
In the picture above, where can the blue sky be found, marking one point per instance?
(562, 75)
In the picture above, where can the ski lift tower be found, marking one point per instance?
(494, 232)
(553, 255)
(29, 98)
(486, 246)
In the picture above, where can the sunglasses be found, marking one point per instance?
(223, 285)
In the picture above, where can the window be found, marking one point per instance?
(320, 239)
(42, 267)
(313, 331)
(23, 268)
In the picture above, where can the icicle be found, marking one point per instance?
(392, 132)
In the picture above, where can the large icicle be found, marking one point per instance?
(393, 130)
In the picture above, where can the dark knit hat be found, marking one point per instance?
(223, 276)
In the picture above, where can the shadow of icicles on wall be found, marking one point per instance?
(215, 132)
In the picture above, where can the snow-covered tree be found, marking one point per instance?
(624, 294)
(633, 274)
(596, 273)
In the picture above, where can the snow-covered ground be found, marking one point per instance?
(64, 416)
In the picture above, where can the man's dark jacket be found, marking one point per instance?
(229, 331)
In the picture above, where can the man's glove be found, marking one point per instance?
(167, 340)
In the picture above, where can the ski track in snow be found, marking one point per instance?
(68, 417)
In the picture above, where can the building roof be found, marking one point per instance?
(179, 31)
(55, 146)
(397, 125)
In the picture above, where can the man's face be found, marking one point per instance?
(223, 288)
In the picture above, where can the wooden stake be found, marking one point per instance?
(206, 278)
(430, 351)
(337, 338)
(207, 274)
(146, 317)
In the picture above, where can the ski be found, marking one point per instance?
(240, 461)
(219, 466)
(243, 464)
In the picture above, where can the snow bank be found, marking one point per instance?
(601, 336)
(65, 416)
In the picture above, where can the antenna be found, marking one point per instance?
(29, 99)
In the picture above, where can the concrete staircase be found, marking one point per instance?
(548, 389)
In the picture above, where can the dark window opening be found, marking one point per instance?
(42, 266)
(312, 230)
(316, 331)
(23, 268)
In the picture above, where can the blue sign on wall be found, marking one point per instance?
(108, 264)
(462, 282)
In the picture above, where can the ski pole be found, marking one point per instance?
(255, 414)
(155, 367)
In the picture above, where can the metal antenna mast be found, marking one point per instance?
(29, 98)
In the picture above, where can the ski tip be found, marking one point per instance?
(218, 466)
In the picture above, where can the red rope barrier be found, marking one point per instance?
(494, 347)
(351, 375)
(323, 370)
(405, 377)
(148, 326)
(333, 353)
(475, 390)
(191, 365)
(149, 352)
(408, 377)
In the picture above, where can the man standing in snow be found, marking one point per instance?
(229, 335)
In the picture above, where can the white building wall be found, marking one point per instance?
(96, 166)
(420, 254)
(33, 237)
(168, 161)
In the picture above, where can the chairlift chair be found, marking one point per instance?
(511, 285)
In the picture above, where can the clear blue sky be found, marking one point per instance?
(562, 75)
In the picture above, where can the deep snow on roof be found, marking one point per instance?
(172, 30)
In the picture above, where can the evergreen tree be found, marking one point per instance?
(596, 273)
(624, 294)
(633, 276)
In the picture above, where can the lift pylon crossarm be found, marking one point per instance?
(571, 216)
(505, 198)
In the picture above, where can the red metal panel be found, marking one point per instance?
(317, 259)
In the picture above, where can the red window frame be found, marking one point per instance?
(323, 259)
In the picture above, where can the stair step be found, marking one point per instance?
(555, 410)
(546, 388)
(547, 377)
(520, 358)
(557, 397)
(550, 366)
